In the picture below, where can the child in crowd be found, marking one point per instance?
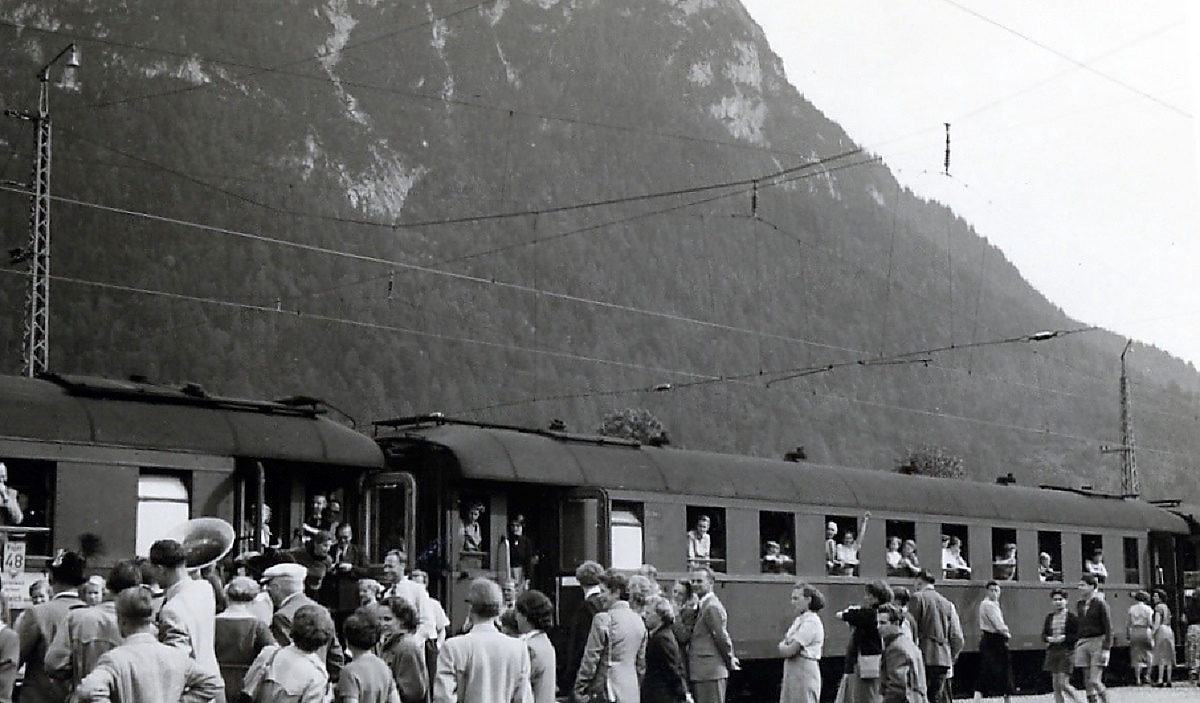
(366, 679)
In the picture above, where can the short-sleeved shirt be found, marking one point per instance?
(366, 678)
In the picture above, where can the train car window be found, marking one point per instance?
(705, 537)
(956, 555)
(30, 485)
(1133, 560)
(472, 535)
(1092, 547)
(777, 533)
(1004, 554)
(843, 540)
(901, 544)
(163, 503)
(1050, 556)
(628, 551)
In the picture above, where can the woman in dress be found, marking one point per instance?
(995, 661)
(239, 634)
(1140, 633)
(617, 637)
(535, 617)
(860, 684)
(665, 680)
(1059, 632)
(1191, 616)
(1164, 639)
(290, 673)
(801, 648)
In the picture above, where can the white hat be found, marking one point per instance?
(294, 572)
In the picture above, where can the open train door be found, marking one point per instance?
(389, 514)
(583, 534)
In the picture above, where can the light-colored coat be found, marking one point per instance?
(37, 630)
(483, 666)
(619, 635)
(143, 669)
(939, 633)
(187, 621)
(543, 666)
(710, 648)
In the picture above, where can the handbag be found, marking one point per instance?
(868, 665)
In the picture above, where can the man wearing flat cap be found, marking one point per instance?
(285, 584)
(484, 664)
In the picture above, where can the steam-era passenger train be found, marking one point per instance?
(128, 461)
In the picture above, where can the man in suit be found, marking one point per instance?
(710, 649)
(339, 589)
(484, 664)
(187, 620)
(285, 585)
(939, 634)
(588, 575)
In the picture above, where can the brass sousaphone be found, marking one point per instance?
(205, 540)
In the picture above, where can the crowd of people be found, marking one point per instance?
(310, 625)
(904, 645)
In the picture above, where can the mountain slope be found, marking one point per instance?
(527, 209)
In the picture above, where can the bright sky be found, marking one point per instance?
(1073, 146)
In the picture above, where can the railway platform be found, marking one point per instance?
(1120, 694)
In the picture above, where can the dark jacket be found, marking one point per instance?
(665, 681)
(864, 635)
(581, 625)
(1071, 629)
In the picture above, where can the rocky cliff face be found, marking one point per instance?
(526, 209)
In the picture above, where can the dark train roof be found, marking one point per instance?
(514, 454)
(101, 412)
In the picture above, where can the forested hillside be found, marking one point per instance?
(521, 210)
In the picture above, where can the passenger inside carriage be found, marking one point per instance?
(1004, 567)
(774, 561)
(1046, 570)
(845, 552)
(954, 565)
(1095, 565)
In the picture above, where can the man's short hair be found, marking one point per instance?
(926, 576)
(1090, 579)
(312, 627)
(323, 536)
(241, 589)
(485, 597)
(588, 573)
(361, 630)
(124, 574)
(989, 584)
(893, 612)
(168, 554)
(135, 605)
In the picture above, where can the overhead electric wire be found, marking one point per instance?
(1067, 57)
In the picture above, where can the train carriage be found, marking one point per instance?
(624, 504)
(127, 461)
